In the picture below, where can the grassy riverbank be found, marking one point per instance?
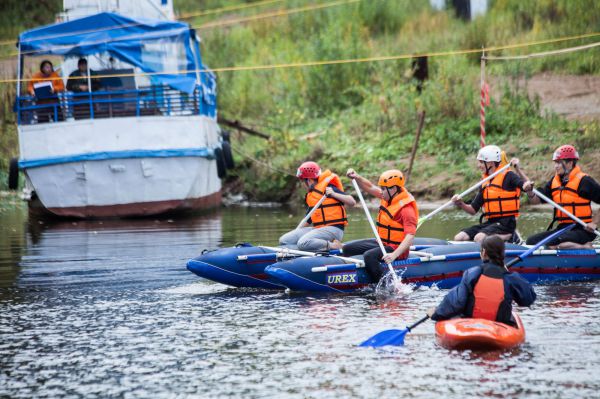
(364, 115)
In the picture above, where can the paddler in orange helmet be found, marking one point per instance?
(329, 220)
(574, 190)
(396, 222)
(486, 291)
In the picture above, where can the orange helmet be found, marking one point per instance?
(565, 152)
(308, 170)
(391, 178)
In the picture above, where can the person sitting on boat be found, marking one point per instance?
(329, 220)
(575, 191)
(499, 197)
(79, 82)
(396, 222)
(78, 79)
(44, 85)
(46, 74)
(486, 291)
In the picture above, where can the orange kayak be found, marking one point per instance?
(479, 334)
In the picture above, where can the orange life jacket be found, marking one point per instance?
(391, 231)
(567, 197)
(489, 294)
(497, 202)
(331, 212)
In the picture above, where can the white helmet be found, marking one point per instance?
(489, 153)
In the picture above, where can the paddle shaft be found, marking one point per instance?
(370, 219)
(306, 253)
(309, 214)
(422, 320)
(317, 205)
(539, 244)
(467, 191)
(563, 210)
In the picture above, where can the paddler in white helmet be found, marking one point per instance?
(499, 198)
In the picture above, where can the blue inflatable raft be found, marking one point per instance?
(440, 265)
(244, 265)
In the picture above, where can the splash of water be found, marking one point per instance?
(389, 286)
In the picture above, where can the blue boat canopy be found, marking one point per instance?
(167, 50)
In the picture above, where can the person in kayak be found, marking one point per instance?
(396, 222)
(499, 197)
(486, 291)
(575, 191)
(329, 220)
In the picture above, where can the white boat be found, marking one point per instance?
(144, 142)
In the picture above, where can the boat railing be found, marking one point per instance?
(149, 101)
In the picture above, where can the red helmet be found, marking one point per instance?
(565, 152)
(308, 170)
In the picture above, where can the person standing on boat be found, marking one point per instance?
(499, 197)
(329, 220)
(575, 191)
(486, 291)
(396, 222)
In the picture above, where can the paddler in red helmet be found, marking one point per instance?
(486, 291)
(574, 190)
(329, 220)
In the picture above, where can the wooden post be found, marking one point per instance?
(415, 144)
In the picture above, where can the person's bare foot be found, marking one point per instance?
(335, 244)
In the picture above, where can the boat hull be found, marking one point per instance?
(479, 334)
(231, 266)
(244, 265)
(122, 167)
(331, 274)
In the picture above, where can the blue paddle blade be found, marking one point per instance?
(387, 337)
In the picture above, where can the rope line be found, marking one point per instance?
(278, 13)
(205, 26)
(349, 61)
(266, 165)
(101, 41)
(227, 8)
(543, 54)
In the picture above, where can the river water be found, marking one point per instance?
(108, 309)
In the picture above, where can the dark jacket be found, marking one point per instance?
(460, 300)
(77, 78)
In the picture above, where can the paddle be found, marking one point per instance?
(391, 337)
(467, 191)
(364, 205)
(396, 337)
(317, 205)
(284, 251)
(563, 210)
(309, 214)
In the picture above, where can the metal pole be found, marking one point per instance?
(19, 78)
(19, 71)
(89, 79)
